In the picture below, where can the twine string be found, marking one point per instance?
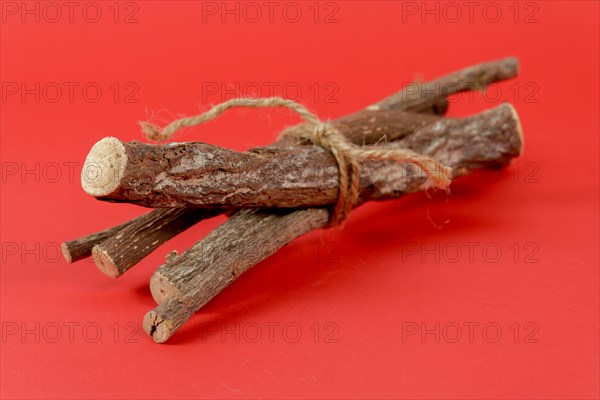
(346, 154)
(153, 132)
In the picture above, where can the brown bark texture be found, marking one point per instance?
(429, 97)
(215, 262)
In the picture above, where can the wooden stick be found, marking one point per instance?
(216, 260)
(419, 97)
(202, 175)
(407, 99)
(115, 255)
(248, 237)
(158, 226)
(500, 123)
(81, 248)
(117, 252)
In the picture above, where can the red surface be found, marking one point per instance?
(370, 289)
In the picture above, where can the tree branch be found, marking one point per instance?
(215, 262)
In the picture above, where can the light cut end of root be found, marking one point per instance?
(104, 167)
(161, 288)
(104, 263)
(518, 127)
(157, 328)
(64, 248)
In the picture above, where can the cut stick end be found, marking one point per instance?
(162, 288)
(160, 330)
(64, 248)
(104, 167)
(505, 68)
(518, 127)
(105, 263)
(513, 64)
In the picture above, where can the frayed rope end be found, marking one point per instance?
(440, 177)
(151, 131)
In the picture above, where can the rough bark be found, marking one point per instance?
(283, 176)
(115, 255)
(175, 175)
(250, 236)
(149, 227)
(232, 248)
(115, 252)
(81, 248)
(379, 181)
(203, 175)
(419, 97)
(408, 99)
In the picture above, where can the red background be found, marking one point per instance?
(360, 288)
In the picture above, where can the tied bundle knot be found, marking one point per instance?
(323, 134)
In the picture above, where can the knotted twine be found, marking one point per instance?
(326, 135)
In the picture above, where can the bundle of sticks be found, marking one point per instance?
(275, 194)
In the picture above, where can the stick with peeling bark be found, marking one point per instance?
(116, 254)
(203, 175)
(189, 173)
(426, 98)
(152, 229)
(155, 226)
(281, 176)
(81, 248)
(119, 252)
(490, 139)
(419, 97)
(497, 123)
